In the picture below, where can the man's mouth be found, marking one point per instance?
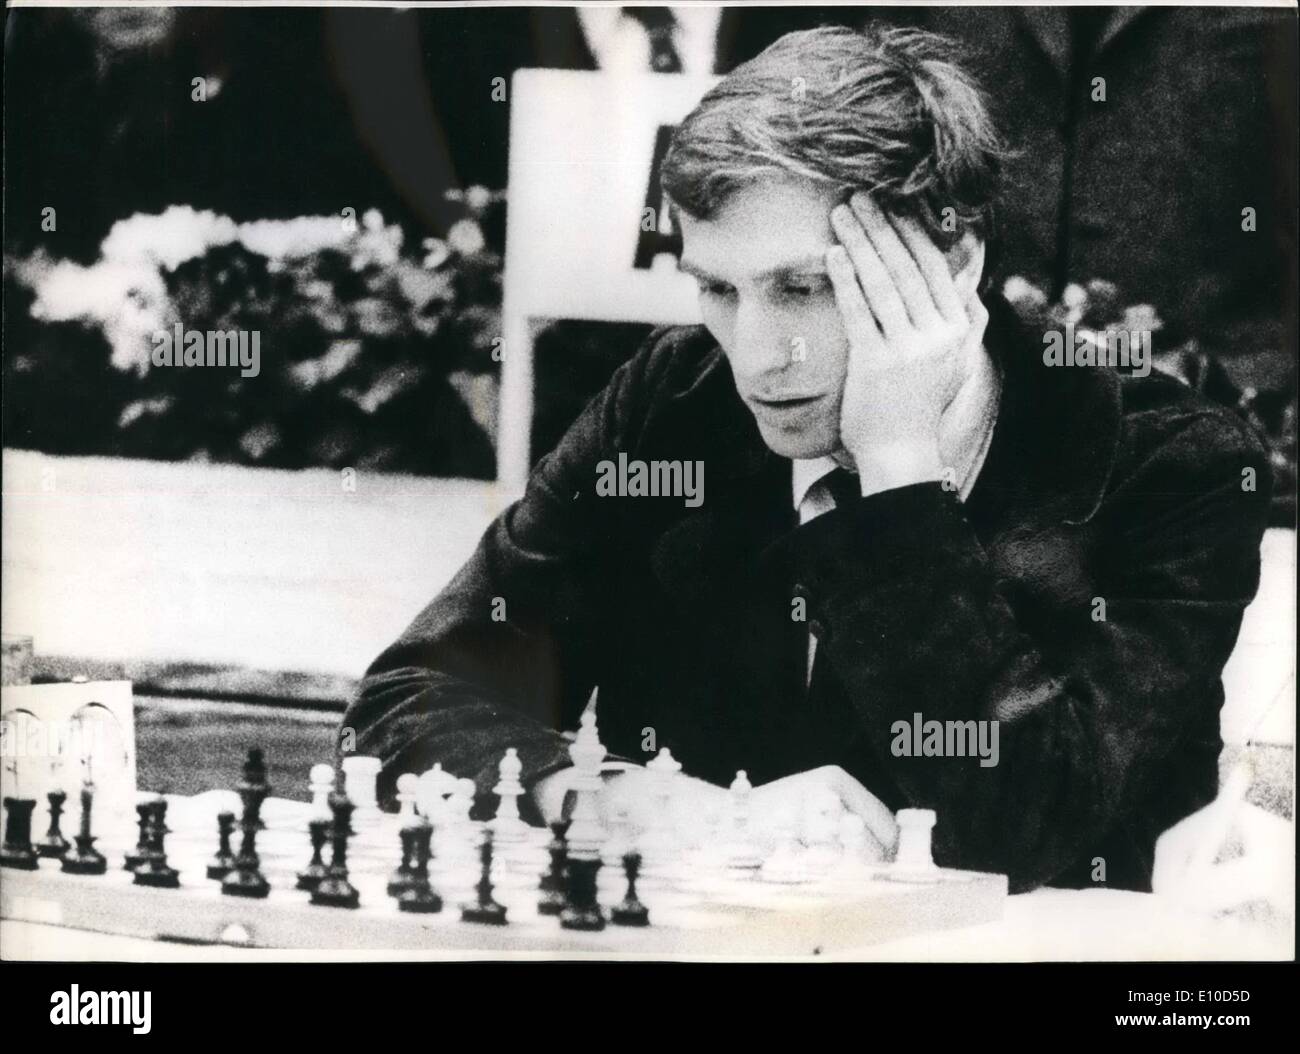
(786, 402)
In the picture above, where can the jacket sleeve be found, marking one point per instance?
(919, 619)
(501, 658)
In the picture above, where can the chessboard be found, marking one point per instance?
(703, 908)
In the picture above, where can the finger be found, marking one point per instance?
(934, 269)
(879, 820)
(874, 277)
(913, 289)
(858, 319)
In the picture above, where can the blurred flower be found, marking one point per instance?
(436, 252)
(259, 440)
(466, 237)
(376, 245)
(133, 411)
(292, 239)
(1023, 294)
(338, 358)
(1074, 299)
(478, 198)
(169, 239)
(1141, 318)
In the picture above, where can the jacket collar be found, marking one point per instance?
(1057, 433)
(1050, 28)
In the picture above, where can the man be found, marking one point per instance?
(906, 512)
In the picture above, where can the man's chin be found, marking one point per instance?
(798, 445)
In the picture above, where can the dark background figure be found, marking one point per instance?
(1146, 187)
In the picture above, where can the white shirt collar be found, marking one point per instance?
(807, 471)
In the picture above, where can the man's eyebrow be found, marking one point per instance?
(815, 264)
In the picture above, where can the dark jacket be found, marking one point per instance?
(1128, 491)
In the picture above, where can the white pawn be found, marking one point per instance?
(743, 853)
(408, 785)
(321, 780)
(507, 827)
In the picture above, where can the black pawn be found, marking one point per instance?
(224, 862)
(400, 880)
(334, 890)
(310, 876)
(581, 910)
(419, 897)
(143, 812)
(54, 845)
(17, 850)
(85, 859)
(485, 910)
(631, 912)
(154, 871)
(551, 901)
(247, 880)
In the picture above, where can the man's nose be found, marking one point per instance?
(762, 344)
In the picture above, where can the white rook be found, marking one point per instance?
(360, 780)
(914, 831)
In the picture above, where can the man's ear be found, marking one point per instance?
(966, 262)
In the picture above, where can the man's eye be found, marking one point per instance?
(802, 290)
(716, 289)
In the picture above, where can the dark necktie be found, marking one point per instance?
(659, 23)
(826, 720)
(843, 486)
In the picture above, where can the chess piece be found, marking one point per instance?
(246, 879)
(334, 890)
(585, 835)
(255, 781)
(419, 896)
(913, 856)
(507, 827)
(54, 845)
(408, 789)
(310, 876)
(581, 909)
(660, 846)
(402, 875)
(361, 785)
(224, 862)
(143, 812)
(551, 901)
(84, 859)
(431, 793)
(631, 912)
(17, 850)
(485, 909)
(154, 870)
(321, 781)
(743, 855)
